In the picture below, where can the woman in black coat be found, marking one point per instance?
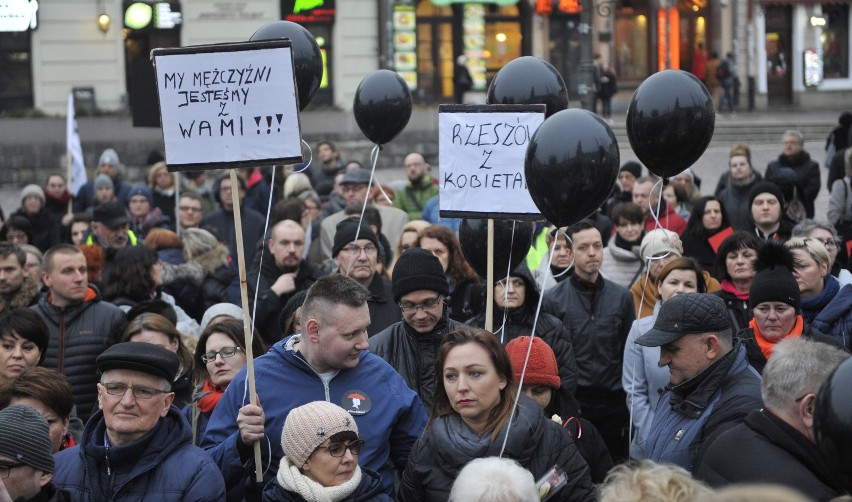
(470, 419)
(707, 227)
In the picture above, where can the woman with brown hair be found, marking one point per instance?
(465, 300)
(157, 330)
(219, 356)
(472, 417)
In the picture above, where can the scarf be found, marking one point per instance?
(292, 480)
(729, 287)
(210, 396)
(628, 245)
(766, 346)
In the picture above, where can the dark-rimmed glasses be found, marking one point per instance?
(338, 449)
(225, 352)
(120, 389)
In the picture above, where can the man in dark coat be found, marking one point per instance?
(17, 289)
(355, 252)
(411, 346)
(283, 273)
(776, 444)
(807, 175)
(711, 388)
(138, 446)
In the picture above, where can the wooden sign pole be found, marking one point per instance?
(489, 280)
(241, 261)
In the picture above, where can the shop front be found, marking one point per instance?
(17, 21)
(428, 36)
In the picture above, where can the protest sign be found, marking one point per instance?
(228, 105)
(481, 152)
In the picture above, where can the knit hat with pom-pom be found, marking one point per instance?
(774, 281)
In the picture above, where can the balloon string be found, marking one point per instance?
(310, 158)
(374, 158)
(656, 214)
(529, 347)
(560, 274)
(506, 286)
(262, 249)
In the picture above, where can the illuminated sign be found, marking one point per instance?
(308, 11)
(158, 15)
(813, 71)
(18, 15)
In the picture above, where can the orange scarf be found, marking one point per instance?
(208, 402)
(767, 346)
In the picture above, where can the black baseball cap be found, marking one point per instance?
(687, 314)
(111, 214)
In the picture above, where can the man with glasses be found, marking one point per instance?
(138, 445)
(190, 210)
(776, 444)
(328, 361)
(110, 229)
(281, 275)
(419, 287)
(419, 188)
(354, 185)
(26, 460)
(356, 258)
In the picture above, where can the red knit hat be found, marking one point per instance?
(541, 369)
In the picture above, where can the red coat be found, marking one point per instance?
(669, 220)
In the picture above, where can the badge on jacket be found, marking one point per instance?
(356, 402)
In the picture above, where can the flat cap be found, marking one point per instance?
(111, 214)
(356, 176)
(142, 357)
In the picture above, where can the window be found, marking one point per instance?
(835, 41)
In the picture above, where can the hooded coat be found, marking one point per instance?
(535, 442)
(162, 465)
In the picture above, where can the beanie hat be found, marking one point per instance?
(25, 437)
(633, 168)
(541, 368)
(345, 233)
(774, 281)
(109, 156)
(218, 310)
(659, 241)
(140, 190)
(765, 187)
(142, 357)
(102, 180)
(307, 426)
(32, 190)
(418, 269)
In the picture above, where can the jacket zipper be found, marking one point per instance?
(62, 342)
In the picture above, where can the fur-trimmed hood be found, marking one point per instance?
(24, 297)
(213, 259)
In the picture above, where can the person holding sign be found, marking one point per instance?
(329, 361)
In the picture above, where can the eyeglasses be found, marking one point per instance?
(5, 468)
(353, 188)
(338, 449)
(428, 304)
(226, 352)
(119, 389)
(829, 243)
(190, 209)
(353, 250)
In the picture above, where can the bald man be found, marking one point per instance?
(419, 188)
(285, 274)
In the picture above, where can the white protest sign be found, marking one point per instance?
(228, 105)
(481, 155)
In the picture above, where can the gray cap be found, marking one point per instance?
(687, 314)
(356, 176)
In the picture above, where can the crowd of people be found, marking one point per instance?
(689, 332)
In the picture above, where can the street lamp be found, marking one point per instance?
(586, 77)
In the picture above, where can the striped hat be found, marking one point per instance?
(25, 437)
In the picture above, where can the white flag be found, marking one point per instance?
(74, 151)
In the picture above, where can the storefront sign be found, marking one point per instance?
(241, 11)
(308, 11)
(813, 71)
(18, 15)
(481, 152)
(404, 43)
(228, 105)
(473, 25)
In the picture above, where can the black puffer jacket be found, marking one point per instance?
(269, 305)
(370, 489)
(413, 354)
(535, 442)
(78, 335)
(738, 311)
(519, 322)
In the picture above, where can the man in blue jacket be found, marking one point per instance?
(138, 446)
(711, 387)
(328, 361)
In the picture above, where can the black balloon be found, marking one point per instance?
(571, 166)
(833, 422)
(382, 106)
(473, 236)
(529, 80)
(307, 59)
(670, 121)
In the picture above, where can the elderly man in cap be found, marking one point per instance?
(138, 446)
(356, 250)
(777, 444)
(354, 186)
(711, 387)
(411, 345)
(26, 459)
